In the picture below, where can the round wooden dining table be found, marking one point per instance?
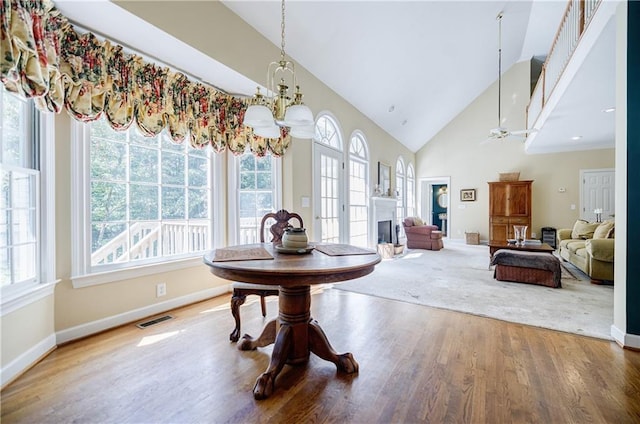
(295, 333)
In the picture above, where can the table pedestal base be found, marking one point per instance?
(298, 335)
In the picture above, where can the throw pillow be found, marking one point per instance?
(417, 222)
(583, 229)
(604, 230)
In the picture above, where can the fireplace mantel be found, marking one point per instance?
(382, 209)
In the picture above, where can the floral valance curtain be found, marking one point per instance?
(44, 58)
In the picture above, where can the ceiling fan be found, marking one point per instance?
(501, 133)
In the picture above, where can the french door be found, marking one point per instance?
(328, 195)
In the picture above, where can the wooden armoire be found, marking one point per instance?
(509, 205)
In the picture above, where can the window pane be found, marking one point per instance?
(144, 164)
(5, 267)
(263, 163)
(263, 180)
(25, 262)
(108, 160)
(23, 226)
(247, 162)
(15, 138)
(173, 168)
(136, 138)
(108, 202)
(108, 243)
(198, 175)
(143, 202)
(247, 181)
(198, 203)
(144, 240)
(247, 205)
(173, 202)
(102, 129)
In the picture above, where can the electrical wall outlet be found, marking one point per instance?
(161, 289)
(533, 235)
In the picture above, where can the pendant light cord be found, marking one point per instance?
(499, 17)
(282, 35)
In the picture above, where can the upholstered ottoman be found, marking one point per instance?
(527, 267)
(436, 240)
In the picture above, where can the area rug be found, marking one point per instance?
(458, 278)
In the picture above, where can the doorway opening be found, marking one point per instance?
(434, 202)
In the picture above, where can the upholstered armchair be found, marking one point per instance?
(421, 236)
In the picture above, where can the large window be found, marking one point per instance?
(258, 179)
(19, 191)
(358, 188)
(411, 191)
(329, 181)
(401, 188)
(147, 198)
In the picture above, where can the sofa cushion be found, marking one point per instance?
(583, 229)
(604, 230)
(574, 245)
(417, 221)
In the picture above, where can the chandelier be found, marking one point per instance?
(267, 114)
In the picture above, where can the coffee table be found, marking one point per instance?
(542, 247)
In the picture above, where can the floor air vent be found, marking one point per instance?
(154, 321)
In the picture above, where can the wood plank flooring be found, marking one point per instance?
(417, 364)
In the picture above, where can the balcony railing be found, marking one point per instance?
(575, 21)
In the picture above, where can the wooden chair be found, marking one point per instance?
(242, 290)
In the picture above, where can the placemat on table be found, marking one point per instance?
(342, 250)
(241, 253)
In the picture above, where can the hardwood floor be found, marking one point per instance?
(417, 364)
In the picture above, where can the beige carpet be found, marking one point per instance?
(458, 278)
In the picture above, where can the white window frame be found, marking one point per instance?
(410, 198)
(364, 161)
(16, 296)
(83, 274)
(233, 164)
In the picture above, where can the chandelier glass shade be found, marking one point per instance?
(266, 114)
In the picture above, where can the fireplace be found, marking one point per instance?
(384, 232)
(382, 221)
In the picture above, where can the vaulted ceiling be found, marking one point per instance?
(410, 66)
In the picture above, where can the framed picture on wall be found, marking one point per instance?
(384, 178)
(468, 195)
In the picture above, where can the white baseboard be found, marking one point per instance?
(625, 340)
(94, 327)
(27, 359)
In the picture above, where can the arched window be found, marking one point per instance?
(411, 191)
(329, 181)
(358, 189)
(400, 192)
(327, 132)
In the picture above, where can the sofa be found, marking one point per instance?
(421, 236)
(590, 247)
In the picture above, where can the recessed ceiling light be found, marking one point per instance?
(609, 110)
(392, 108)
(576, 137)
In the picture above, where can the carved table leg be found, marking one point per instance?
(319, 344)
(281, 349)
(267, 337)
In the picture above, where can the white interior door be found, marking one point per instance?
(598, 192)
(328, 193)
